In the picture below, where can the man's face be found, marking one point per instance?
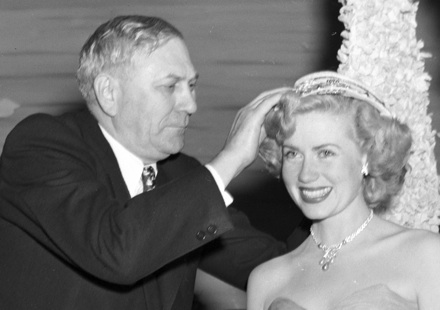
(157, 96)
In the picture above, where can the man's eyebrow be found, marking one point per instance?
(178, 77)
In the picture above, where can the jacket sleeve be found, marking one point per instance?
(236, 253)
(56, 190)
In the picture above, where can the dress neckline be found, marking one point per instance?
(373, 295)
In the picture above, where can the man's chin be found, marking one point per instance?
(175, 147)
(169, 145)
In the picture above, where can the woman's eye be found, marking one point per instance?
(326, 153)
(290, 154)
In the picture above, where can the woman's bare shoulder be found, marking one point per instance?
(413, 246)
(420, 246)
(274, 266)
(266, 279)
(420, 239)
(422, 265)
(417, 237)
(425, 243)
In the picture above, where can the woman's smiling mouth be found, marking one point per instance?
(314, 195)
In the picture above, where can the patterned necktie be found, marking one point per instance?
(148, 178)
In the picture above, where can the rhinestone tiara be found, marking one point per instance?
(332, 83)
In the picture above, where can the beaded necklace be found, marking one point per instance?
(330, 252)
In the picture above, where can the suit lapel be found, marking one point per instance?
(98, 144)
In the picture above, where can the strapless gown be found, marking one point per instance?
(377, 297)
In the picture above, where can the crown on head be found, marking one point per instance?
(332, 83)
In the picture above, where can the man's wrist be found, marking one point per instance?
(218, 180)
(226, 167)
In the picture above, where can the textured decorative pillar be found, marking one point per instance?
(380, 49)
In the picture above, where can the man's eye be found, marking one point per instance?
(192, 86)
(169, 88)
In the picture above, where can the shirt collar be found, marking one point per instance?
(130, 165)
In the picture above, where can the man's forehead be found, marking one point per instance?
(171, 63)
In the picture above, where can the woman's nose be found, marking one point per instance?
(308, 172)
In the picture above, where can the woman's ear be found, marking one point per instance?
(106, 90)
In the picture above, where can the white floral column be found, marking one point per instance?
(380, 49)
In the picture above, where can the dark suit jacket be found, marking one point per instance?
(71, 237)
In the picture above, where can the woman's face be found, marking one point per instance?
(322, 165)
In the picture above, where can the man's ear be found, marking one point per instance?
(107, 90)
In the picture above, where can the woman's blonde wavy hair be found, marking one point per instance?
(385, 140)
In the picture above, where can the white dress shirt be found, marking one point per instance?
(132, 166)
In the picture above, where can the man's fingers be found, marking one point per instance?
(272, 92)
(250, 118)
(263, 135)
(267, 94)
(263, 106)
(254, 112)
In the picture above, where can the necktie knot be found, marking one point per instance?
(148, 178)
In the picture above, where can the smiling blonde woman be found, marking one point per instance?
(343, 158)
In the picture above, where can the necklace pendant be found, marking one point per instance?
(330, 252)
(326, 261)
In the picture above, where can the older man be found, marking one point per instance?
(99, 209)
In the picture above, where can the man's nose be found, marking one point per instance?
(187, 101)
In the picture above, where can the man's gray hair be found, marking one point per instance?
(114, 43)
